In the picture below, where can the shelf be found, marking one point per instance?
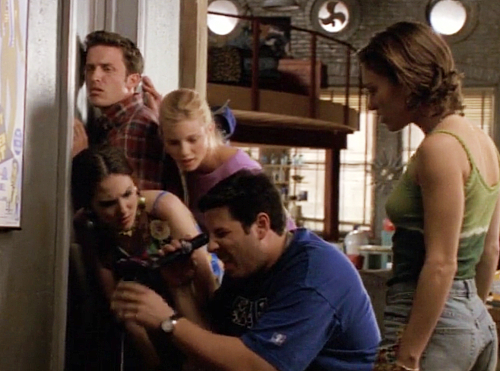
(283, 165)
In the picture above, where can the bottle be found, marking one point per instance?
(495, 287)
(387, 232)
(352, 242)
(300, 160)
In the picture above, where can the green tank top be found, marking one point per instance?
(404, 208)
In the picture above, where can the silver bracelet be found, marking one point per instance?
(406, 368)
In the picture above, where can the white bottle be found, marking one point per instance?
(354, 240)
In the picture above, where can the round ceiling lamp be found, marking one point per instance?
(219, 24)
(448, 16)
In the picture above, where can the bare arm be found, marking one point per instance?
(487, 265)
(182, 224)
(219, 352)
(441, 179)
(170, 209)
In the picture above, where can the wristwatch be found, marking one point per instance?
(169, 324)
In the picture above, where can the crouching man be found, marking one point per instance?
(288, 300)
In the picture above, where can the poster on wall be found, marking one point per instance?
(13, 30)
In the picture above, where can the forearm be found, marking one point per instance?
(204, 281)
(187, 304)
(485, 271)
(430, 296)
(219, 352)
(191, 296)
(143, 344)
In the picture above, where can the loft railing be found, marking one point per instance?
(255, 96)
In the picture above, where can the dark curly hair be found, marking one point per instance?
(411, 54)
(132, 56)
(90, 167)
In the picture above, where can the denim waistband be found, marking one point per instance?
(459, 288)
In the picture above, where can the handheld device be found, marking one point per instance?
(136, 269)
(187, 248)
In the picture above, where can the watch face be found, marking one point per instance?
(168, 325)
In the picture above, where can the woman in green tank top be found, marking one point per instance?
(445, 209)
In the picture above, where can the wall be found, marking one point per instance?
(161, 47)
(33, 259)
(477, 55)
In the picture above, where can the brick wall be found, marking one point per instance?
(478, 56)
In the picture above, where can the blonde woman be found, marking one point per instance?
(197, 146)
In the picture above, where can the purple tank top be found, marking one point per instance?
(199, 184)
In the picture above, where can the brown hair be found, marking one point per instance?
(187, 104)
(412, 55)
(90, 167)
(132, 56)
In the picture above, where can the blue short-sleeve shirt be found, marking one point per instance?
(310, 311)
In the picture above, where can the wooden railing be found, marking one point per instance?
(255, 98)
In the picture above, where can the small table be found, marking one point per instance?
(376, 256)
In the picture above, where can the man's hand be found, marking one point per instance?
(80, 139)
(151, 95)
(134, 302)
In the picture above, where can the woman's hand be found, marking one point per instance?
(80, 139)
(393, 367)
(134, 302)
(181, 271)
(407, 362)
(151, 95)
(390, 358)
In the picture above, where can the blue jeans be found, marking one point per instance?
(465, 337)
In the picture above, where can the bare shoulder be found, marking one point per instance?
(441, 155)
(227, 152)
(438, 146)
(161, 201)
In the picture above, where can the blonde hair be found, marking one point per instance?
(186, 104)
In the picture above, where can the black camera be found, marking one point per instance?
(140, 270)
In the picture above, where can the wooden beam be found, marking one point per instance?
(285, 122)
(193, 46)
(288, 137)
(332, 180)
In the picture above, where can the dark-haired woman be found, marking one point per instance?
(445, 209)
(120, 229)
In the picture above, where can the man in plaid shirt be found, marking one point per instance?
(113, 70)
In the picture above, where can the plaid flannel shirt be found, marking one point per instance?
(134, 127)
